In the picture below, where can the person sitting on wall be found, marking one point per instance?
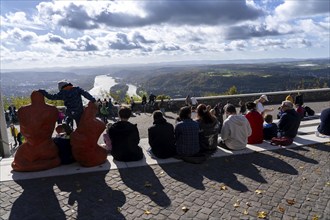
(209, 129)
(161, 137)
(256, 122)
(324, 126)
(235, 130)
(125, 138)
(270, 128)
(290, 120)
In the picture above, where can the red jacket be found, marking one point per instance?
(256, 122)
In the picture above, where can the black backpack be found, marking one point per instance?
(309, 111)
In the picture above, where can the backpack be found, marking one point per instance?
(309, 111)
(282, 141)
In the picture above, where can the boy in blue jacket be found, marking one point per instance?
(71, 95)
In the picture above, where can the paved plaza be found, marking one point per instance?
(282, 184)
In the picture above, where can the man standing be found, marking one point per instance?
(235, 130)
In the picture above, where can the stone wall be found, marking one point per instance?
(310, 95)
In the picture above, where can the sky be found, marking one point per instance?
(42, 34)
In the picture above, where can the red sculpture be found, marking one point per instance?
(84, 139)
(37, 123)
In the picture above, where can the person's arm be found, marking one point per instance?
(225, 132)
(56, 96)
(86, 95)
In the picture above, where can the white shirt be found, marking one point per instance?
(193, 101)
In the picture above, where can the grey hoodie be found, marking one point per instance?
(235, 132)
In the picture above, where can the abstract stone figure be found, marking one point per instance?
(84, 139)
(37, 123)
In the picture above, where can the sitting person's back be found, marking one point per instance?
(324, 126)
(270, 128)
(161, 137)
(209, 128)
(256, 122)
(186, 134)
(289, 121)
(125, 138)
(235, 130)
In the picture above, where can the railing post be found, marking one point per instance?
(4, 143)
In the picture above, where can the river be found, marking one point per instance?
(102, 85)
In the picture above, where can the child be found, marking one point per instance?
(71, 95)
(270, 128)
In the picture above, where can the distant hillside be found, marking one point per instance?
(23, 83)
(206, 80)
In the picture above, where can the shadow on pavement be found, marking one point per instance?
(292, 154)
(81, 196)
(146, 183)
(186, 173)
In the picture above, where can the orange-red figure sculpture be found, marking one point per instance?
(84, 139)
(37, 122)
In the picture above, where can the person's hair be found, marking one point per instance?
(185, 112)
(230, 108)
(204, 114)
(287, 104)
(157, 115)
(125, 113)
(268, 119)
(251, 105)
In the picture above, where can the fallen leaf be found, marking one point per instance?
(262, 214)
(78, 190)
(290, 201)
(236, 205)
(245, 212)
(118, 209)
(315, 217)
(281, 209)
(184, 208)
(147, 184)
(301, 167)
(308, 199)
(154, 193)
(161, 173)
(327, 184)
(147, 212)
(223, 187)
(258, 191)
(304, 178)
(248, 204)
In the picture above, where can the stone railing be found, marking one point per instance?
(310, 95)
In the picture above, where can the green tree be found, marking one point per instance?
(232, 91)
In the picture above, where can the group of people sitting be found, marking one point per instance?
(200, 137)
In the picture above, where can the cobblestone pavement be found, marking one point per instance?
(283, 184)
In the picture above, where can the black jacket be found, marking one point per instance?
(125, 139)
(324, 127)
(289, 123)
(161, 139)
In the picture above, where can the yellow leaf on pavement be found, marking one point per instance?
(315, 217)
(258, 191)
(118, 209)
(327, 184)
(154, 193)
(281, 209)
(78, 190)
(248, 204)
(236, 204)
(290, 201)
(184, 208)
(262, 215)
(245, 212)
(147, 212)
(223, 187)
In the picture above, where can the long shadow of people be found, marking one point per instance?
(186, 173)
(144, 181)
(38, 201)
(94, 198)
(223, 171)
(292, 154)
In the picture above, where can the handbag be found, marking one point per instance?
(282, 141)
